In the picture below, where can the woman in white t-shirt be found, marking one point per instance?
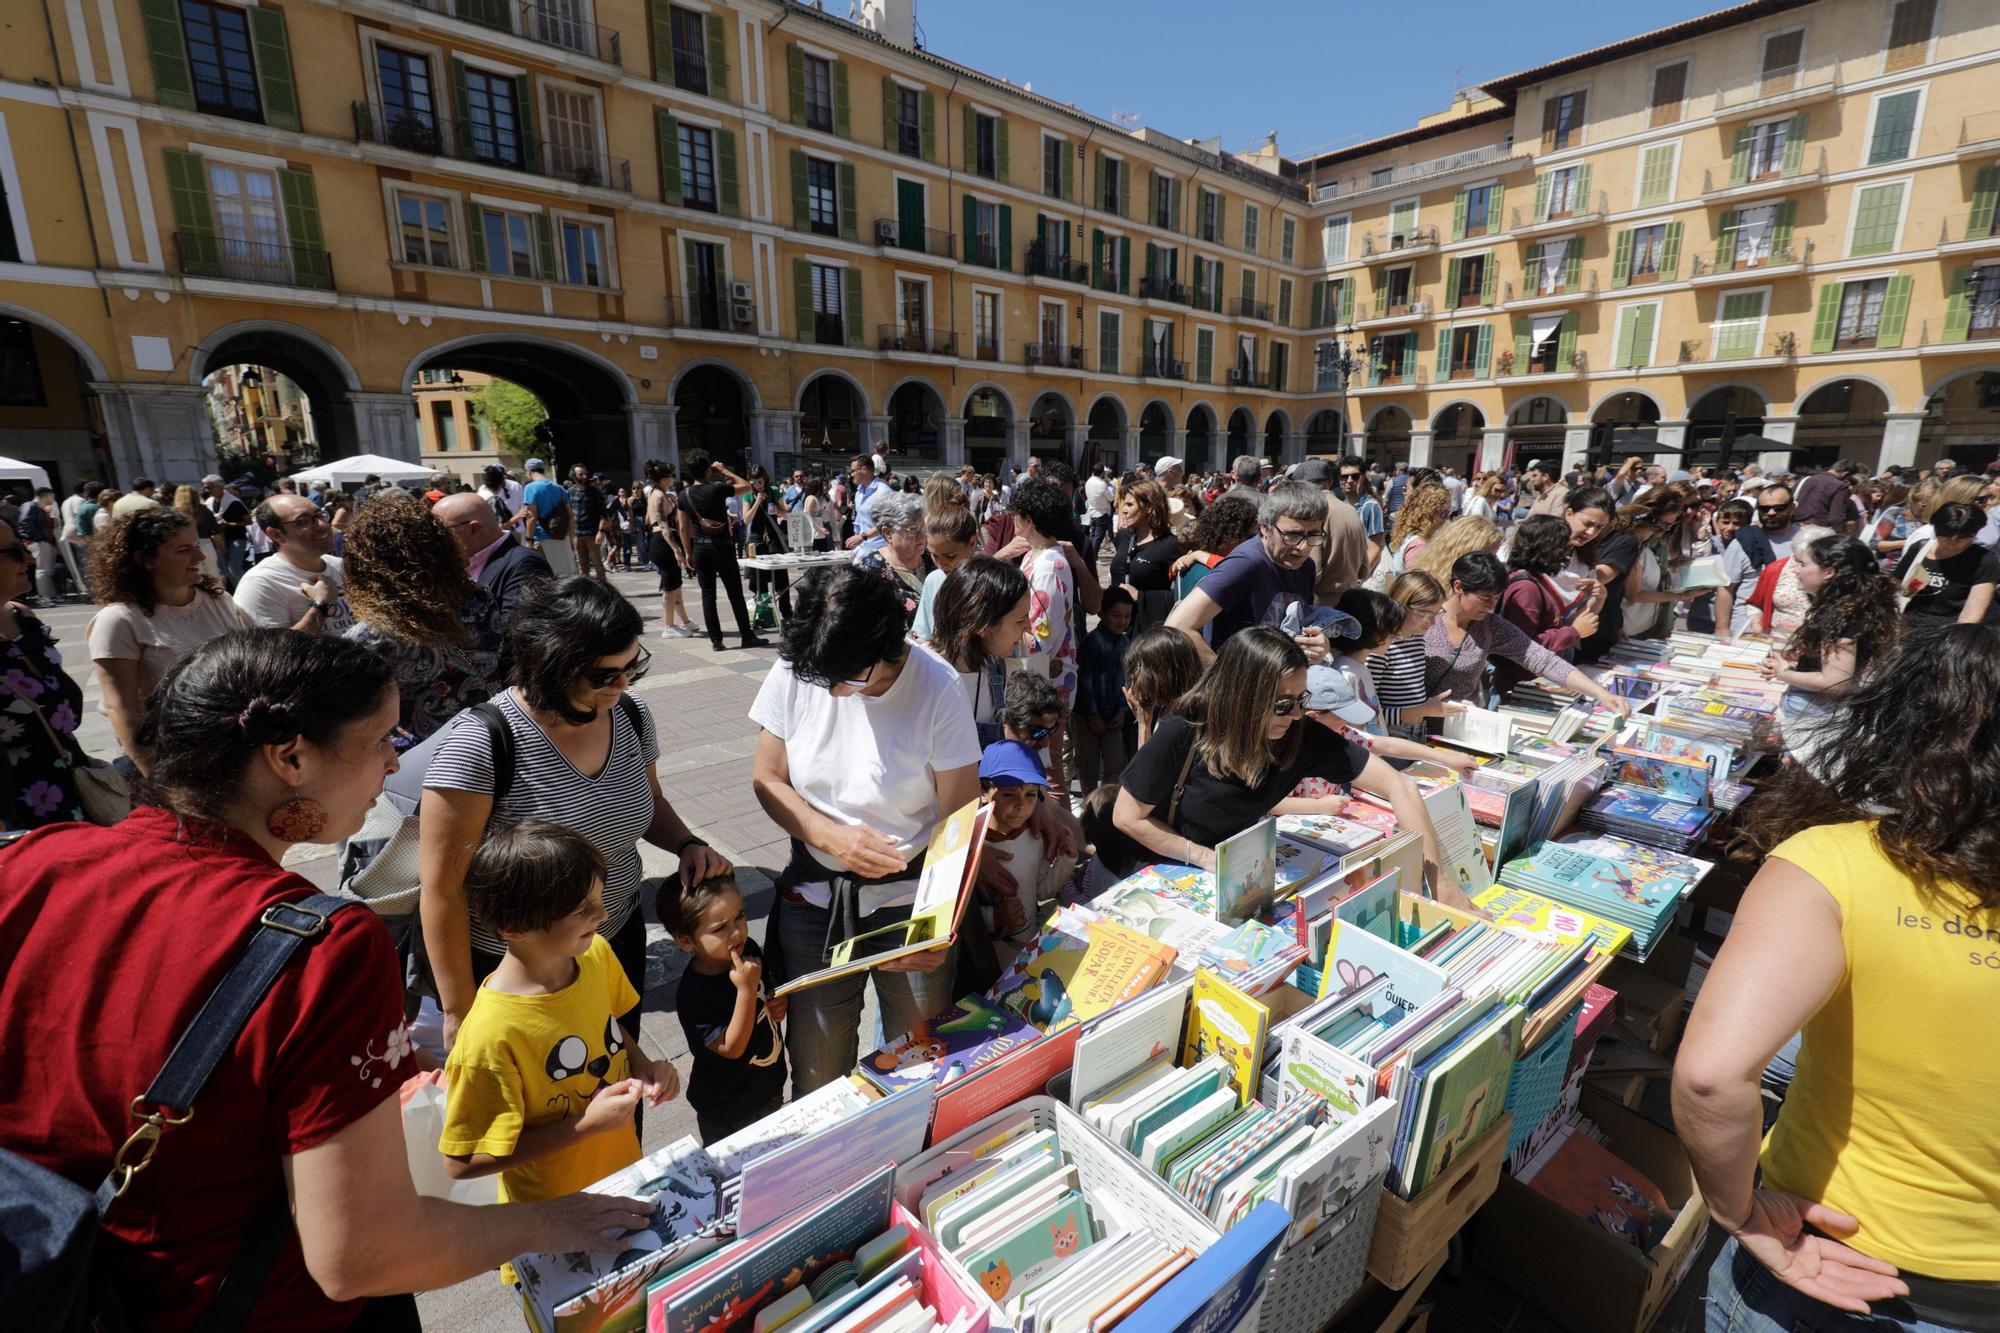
(867, 743)
(160, 604)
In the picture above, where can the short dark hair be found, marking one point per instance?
(1114, 597)
(681, 904)
(847, 620)
(1042, 503)
(695, 464)
(865, 460)
(1031, 696)
(1957, 520)
(1059, 472)
(1740, 510)
(974, 597)
(530, 875)
(1589, 497)
(1541, 545)
(558, 631)
(142, 483)
(1379, 615)
(1479, 571)
(1351, 460)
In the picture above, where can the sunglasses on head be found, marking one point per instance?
(631, 673)
(1290, 704)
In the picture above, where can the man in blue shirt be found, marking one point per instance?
(540, 499)
(1353, 479)
(868, 488)
(1256, 582)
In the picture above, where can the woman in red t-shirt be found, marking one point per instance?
(114, 936)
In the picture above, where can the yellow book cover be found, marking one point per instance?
(1118, 964)
(1527, 913)
(1226, 1022)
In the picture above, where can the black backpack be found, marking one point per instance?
(51, 1280)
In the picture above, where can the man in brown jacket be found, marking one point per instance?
(1343, 554)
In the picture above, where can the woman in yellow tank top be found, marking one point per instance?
(1874, 928)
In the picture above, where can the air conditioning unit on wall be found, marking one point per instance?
(739, 291)
(742, 314)
(885, 232)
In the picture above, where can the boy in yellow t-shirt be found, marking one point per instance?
(543, 1082)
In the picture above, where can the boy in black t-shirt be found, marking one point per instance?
(739, 1058)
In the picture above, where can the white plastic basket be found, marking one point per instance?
(1123, 1197)
(1312, 1278)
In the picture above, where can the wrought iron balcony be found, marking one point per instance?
(1163, 289)
(1155, 367)
(891, 233)
(535, 21)
(208, 254)
(1052, 356)
(1246, 309)
(713, 312)
(1044, 264)
(915, 341)
(492, 145)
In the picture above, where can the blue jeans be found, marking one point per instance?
(1745, 1297)
(822, 1026)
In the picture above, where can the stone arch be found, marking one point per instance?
(1006, 399)
(1381, 408)
(587, 396)
(1117, 405)
(1659, 408)
(1324, 431)
(692, 364)
(853, 385)
(1888, 397)
(1278, 438)
(85, 353)
(1438, 415)
(1982, 368)
(472, 342)
(1241, 432)
(1958, 423)
(1201, 427)
(199, 368)
(1517, 412)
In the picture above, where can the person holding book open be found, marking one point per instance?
(1460, 642)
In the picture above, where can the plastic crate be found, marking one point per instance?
(1536, 1083)
(1312, 1278)
(1123, 1197)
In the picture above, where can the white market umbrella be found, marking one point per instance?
(343, 471)
(13, 469)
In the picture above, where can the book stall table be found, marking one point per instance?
(793, 561)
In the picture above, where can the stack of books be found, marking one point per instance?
(1646, 817)
(1630, 883)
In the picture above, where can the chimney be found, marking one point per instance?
(894, 21)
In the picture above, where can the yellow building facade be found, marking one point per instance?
(763, 230)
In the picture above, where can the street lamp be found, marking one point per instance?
(1345, 358)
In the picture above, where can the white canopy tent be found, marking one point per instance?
(348, 471)
(13, 469)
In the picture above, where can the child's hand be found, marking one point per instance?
(777, 1008)
(612, 1107)
(746, 974)
(662, 1081)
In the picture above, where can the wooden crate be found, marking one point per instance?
(1409, 1232)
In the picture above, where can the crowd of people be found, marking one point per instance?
(1129, 668)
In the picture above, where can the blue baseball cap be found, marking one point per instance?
(1328, 690)
(1012, 764)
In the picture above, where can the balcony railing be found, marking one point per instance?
(472, 142)
(1375, 244)
(1405, 309)
(985, 349)
(1163, 289)
(916, 341)
(1534, 288)
(1153, 366)
(1244, 309)
(922, 240)
(1385, 376)
(983, 251)
(534, 21)
(1504, 366)
(1774, 90)
(1248, 377)
(1042, 263)
(1052, 356)
(1777, 176)
(1579, 210)
(1957, 231)
(207, 254)
(1725, 260)
(713, 312)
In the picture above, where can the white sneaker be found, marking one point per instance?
(687, 630)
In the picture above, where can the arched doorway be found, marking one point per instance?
(712, 414)
(1717, 420)
(1842, 418)
(1962, 421)
(1242, 429)
(1323, 433)
(1535, 429)
(989, 420)
(1156, 432)
(48, 415)
(1620, 419)
(830, 411)
(1104, 434)
(1200, 449)
(1048, 427)
(916, 424)
(1456, 433)
(1389, 436)
(1277, 432)
(278, 396)
(585, 398)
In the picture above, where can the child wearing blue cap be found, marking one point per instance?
(1013, 782)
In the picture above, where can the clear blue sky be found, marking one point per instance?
(1322, 73)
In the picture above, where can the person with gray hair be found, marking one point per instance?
(903, 558)
(1248, 470)
(1257, 581)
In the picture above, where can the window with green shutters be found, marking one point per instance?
(1877, 214)
(687, 47)
(1251, 220)
(1109, 333)
(1333, 240)
(1864, 312)
(1204, 356)
(1972, 304)
(1656, 173)
(1739, 320)
(1895, 126)
(817, 91)
(1288, 238)
(1985, 195)
(1281, 358)
(1285, 301)
(1636, 324)
(221, 59)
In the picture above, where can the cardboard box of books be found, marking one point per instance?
(1625, 1211)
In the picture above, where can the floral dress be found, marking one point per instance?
(1051, 590)
(435, 684)
(37, 781)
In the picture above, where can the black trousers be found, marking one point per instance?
(715, 557)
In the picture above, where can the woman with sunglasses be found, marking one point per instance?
(585, 755)
(1468, 635)
(1654, 522)
(1234, 750)
(39, 706)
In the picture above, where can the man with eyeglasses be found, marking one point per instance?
(1257, 581)
(1754, 548)
(300, 585)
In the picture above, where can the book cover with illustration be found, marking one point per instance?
(1585, 1177)
(1343, 1159)
(1246, 872)
(969, 1035)
(1118, 963)
(1224, 1021)
(1333, 833)
(1372, 907)
(1670, 776)
(1035, 985)
(1532, 914)
(1136, 902)
(1184, 886)
(1573, 874)
(1024, 1258)
(1464, 1093)
(1356, 957)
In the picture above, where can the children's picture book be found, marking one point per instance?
(1246, 871)
(1479, 729)
(951, 864)
(1299, 863)
(1670, 776)
(1371, 908)
(1118, 963)
(1331, 833)
(1136, 902)
(831, 1161)
(1356, 957)
(1031, 1253)
(1342, 1161)
(1224, 1021)
(1036, 984)
(1589, 1180)
(1704, 571)
(1463, 1095)
(793, 1121)
(969, 1035)
(1129, 1038)
(1532, 914)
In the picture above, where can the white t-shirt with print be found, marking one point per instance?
(269, 594)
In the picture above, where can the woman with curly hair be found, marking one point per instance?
(418, 608)
(1866, 933)
(1851, 622)
(1654, 521)
(1461, 536)
(160, 604)
(1424, 511)
(1222, 527)
(1532, 601)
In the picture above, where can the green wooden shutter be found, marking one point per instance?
(971, 247)
(802, 295)
(1097, 180)
(1174, 205)
(717, 55)
(309, 261)
(1317, 304)
(801, 202)
(1572, 265)
(1628, 325)
(1285, 301)
(1725, 238)
(1204, 356)
(524, 112)
(1280, 363)
(1653, 164)
(1493, 213)
(670, 157)
(1895, 311)
(1566, 343)
(475, 237)
(1985, 193)
(1875, 219)
(1826, 318)
(194, 219)
(1125, 265)
(970, 148)
(545, 248)
(1221, 220)
(1107, 342)
(850, 203)
(1795, 144)
(1670, 253)
(850, 306)
(1482, 356)
(1542, 197)
(1583, 204)
(930, 126)
(795, 87)
(1489, 278)
(1000, 145)
(1621, 260)
(660, 30)
(1097, 273)
(1152, 260)
(463, 146)
(1958, 307)
(1531, 270)
(1458, 215)
(1069, 175)
(1737, 337)
(688, 257)
(1246, 283)
(1409, 358)
(1524, 345)
(840, 125)
(1346, 286)
(725, 173)
(173, 80)
(889, 113)
(1781, 228)
(274, 68)
(1739, 162)
(1451, 283)
(1006, 237)
(1288, 241)
(1444, 353)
